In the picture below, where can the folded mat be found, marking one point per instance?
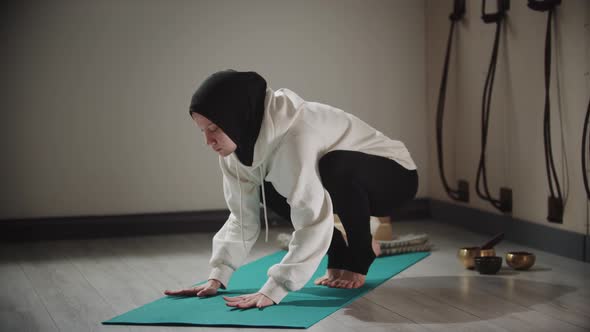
(405, 244)
(300, 309)
(406, 240)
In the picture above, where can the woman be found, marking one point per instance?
(305, 161)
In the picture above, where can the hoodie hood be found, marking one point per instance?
(234, 101)
(242, 105)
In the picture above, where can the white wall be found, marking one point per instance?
(515, 154)
(95, 93)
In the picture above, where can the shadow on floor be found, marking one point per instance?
(457, 299)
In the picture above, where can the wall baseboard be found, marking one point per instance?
(557, 241)
(83, 227)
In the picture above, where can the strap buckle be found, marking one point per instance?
(503, 6)
(458, 10)
(543, 5)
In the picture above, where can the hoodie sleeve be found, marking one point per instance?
(294, 174)
(229, 252)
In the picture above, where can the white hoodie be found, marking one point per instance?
(293, 137)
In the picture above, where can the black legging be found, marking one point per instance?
(360, 185)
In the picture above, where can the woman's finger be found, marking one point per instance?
(207, 292)
(239, 301)
(175, 293)
(233, 299)
(234, 303)
(178, 292)
(192, 291)
(243, 297)
(248, 303)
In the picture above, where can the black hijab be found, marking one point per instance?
(234, 101)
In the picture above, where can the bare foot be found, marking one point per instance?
(348, 279)
(376, 248)
(331, 275)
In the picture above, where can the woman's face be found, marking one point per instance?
(214, 136)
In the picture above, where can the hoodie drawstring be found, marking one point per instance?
(241, 223)
(263, 201)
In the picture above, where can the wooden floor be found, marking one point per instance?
(74, 285)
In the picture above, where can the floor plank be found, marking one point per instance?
(73, 303)
(20, 307)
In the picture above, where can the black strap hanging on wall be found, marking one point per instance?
(503, 204)
(586, 151)
(555, 201)
(461, 194)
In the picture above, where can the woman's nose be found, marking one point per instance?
(209, 139)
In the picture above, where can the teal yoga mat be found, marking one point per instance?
(299, 309)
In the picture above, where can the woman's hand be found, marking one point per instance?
(207, 289)
(258, 300)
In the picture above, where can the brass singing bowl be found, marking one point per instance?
(467, 255)
(520, 260)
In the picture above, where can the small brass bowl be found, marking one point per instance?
(488, 264)
(520, 260)
(466, 255)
